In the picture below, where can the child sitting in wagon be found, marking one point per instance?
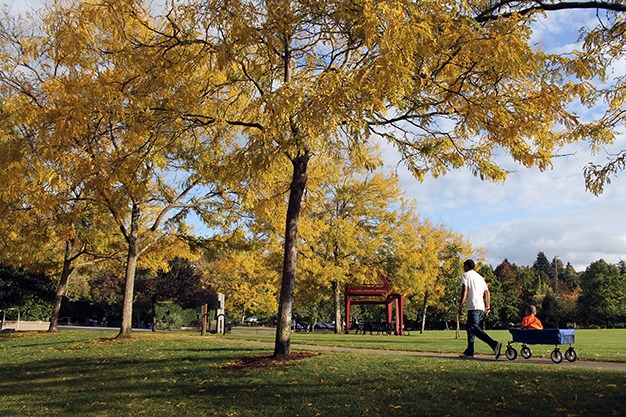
(530, 321)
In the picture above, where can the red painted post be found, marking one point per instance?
(389, 314)
(401, 314)
(347, 298)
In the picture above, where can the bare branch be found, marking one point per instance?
(510, 7)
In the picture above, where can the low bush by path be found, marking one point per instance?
(80, 374)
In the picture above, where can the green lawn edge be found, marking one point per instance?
(181, 374)
(607, 345)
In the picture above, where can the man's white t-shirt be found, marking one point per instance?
(475, 286)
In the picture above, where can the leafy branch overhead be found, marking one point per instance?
(152, 113)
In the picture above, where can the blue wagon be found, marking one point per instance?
(554, 337)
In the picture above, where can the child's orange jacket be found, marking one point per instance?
(531, 322)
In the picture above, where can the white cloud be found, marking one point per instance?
(559, 32)
(531, 212)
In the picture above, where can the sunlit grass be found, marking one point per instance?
(601, 344)
(79, 374)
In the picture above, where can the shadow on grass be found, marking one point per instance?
(192, 378)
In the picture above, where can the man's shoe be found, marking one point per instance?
(466, 356)
(498, 350)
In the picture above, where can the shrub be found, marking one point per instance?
(172, 316)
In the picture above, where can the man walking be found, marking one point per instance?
(475, 293)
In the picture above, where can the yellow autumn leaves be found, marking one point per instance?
(138, 115)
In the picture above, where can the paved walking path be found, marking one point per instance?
(579, 364)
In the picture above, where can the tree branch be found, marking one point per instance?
(535, 6)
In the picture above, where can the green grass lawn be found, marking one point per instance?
(75, 373)
(597, 345)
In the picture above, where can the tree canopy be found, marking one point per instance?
(153, 112)
(101, 115)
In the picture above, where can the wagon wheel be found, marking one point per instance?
(556, 356)
(570, 355)
(526, 352)
(510, 353)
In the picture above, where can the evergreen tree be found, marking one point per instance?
(542, 266)
(571, 277)
(529, 281)
(551, 311)
(498, 301)
(511, 292)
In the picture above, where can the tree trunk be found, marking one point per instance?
(337, 301)
(131, 267)
(62, 285)
(154, 320)
(285, 304)
(458, 326)
(424, 307)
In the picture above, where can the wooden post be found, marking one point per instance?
(205, 314)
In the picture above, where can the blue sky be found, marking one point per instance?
(536, 211)
(532, 211)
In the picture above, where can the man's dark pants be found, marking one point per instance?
(474, 330)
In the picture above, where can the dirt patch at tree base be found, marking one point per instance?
(268, 361)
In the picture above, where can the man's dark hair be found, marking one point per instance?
(469, 264)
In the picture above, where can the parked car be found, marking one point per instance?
(320, 325)
(300, 326)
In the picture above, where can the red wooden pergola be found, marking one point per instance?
(378, 293)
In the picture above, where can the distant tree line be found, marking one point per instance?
(563, 296)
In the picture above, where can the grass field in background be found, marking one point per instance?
(598, 345)
(74, 373)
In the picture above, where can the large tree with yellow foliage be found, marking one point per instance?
(420, 256)
(346, 220)
(343, 233)
(449, 83)
(361, 227)
(48, 225)
(116, 120)
(247, 279)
